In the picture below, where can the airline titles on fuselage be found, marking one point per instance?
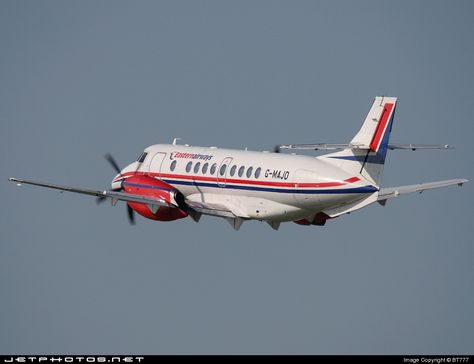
(178, 155)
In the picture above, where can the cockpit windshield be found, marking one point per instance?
(142, 157)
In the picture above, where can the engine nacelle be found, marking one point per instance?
(319, 219)
(152, 187)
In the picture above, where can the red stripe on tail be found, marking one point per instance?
(378, 135)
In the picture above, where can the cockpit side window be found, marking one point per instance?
(142, 157)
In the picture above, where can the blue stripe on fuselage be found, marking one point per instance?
(365, 189)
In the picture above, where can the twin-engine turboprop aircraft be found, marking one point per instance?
(170, 181)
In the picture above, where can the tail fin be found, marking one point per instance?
(372, 139)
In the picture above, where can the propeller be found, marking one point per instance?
(99, 200)
(131, 215)
(112, 161)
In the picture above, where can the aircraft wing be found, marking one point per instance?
(113, 196)
(391, 192)
(213, 209)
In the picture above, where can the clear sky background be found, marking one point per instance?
(79, 79)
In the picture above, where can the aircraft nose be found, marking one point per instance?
(117, 182)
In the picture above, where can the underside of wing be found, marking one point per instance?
(391, 192)
(198, 208)
(212, 209)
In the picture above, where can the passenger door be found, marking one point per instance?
(155, 163)
(223, 167)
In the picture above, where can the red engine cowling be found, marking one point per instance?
(319, 219)
(148, 186)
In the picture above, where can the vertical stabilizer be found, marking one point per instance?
(372, 141)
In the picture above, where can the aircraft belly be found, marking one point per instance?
(326, 201)
(257, 207)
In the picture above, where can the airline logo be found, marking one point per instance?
(180, 155)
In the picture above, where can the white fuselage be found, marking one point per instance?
(170, 182)
(256, 185)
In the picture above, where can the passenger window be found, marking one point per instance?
(213, 168)
(222, 170)
(249, 172)
(204, 168)
(196, 167)
(173, 165)
(241, 171)
(232, 170)
(257, 172)
(142, 157)
(188, 166)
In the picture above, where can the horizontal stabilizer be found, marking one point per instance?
(419, 146)
(391, 192)
(328, 146)
(322, 146)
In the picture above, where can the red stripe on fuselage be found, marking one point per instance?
(240, 181)
(378, 135)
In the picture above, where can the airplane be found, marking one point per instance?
(172, 181)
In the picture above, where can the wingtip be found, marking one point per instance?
(16, 180)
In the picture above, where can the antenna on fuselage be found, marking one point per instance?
(175, 140)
